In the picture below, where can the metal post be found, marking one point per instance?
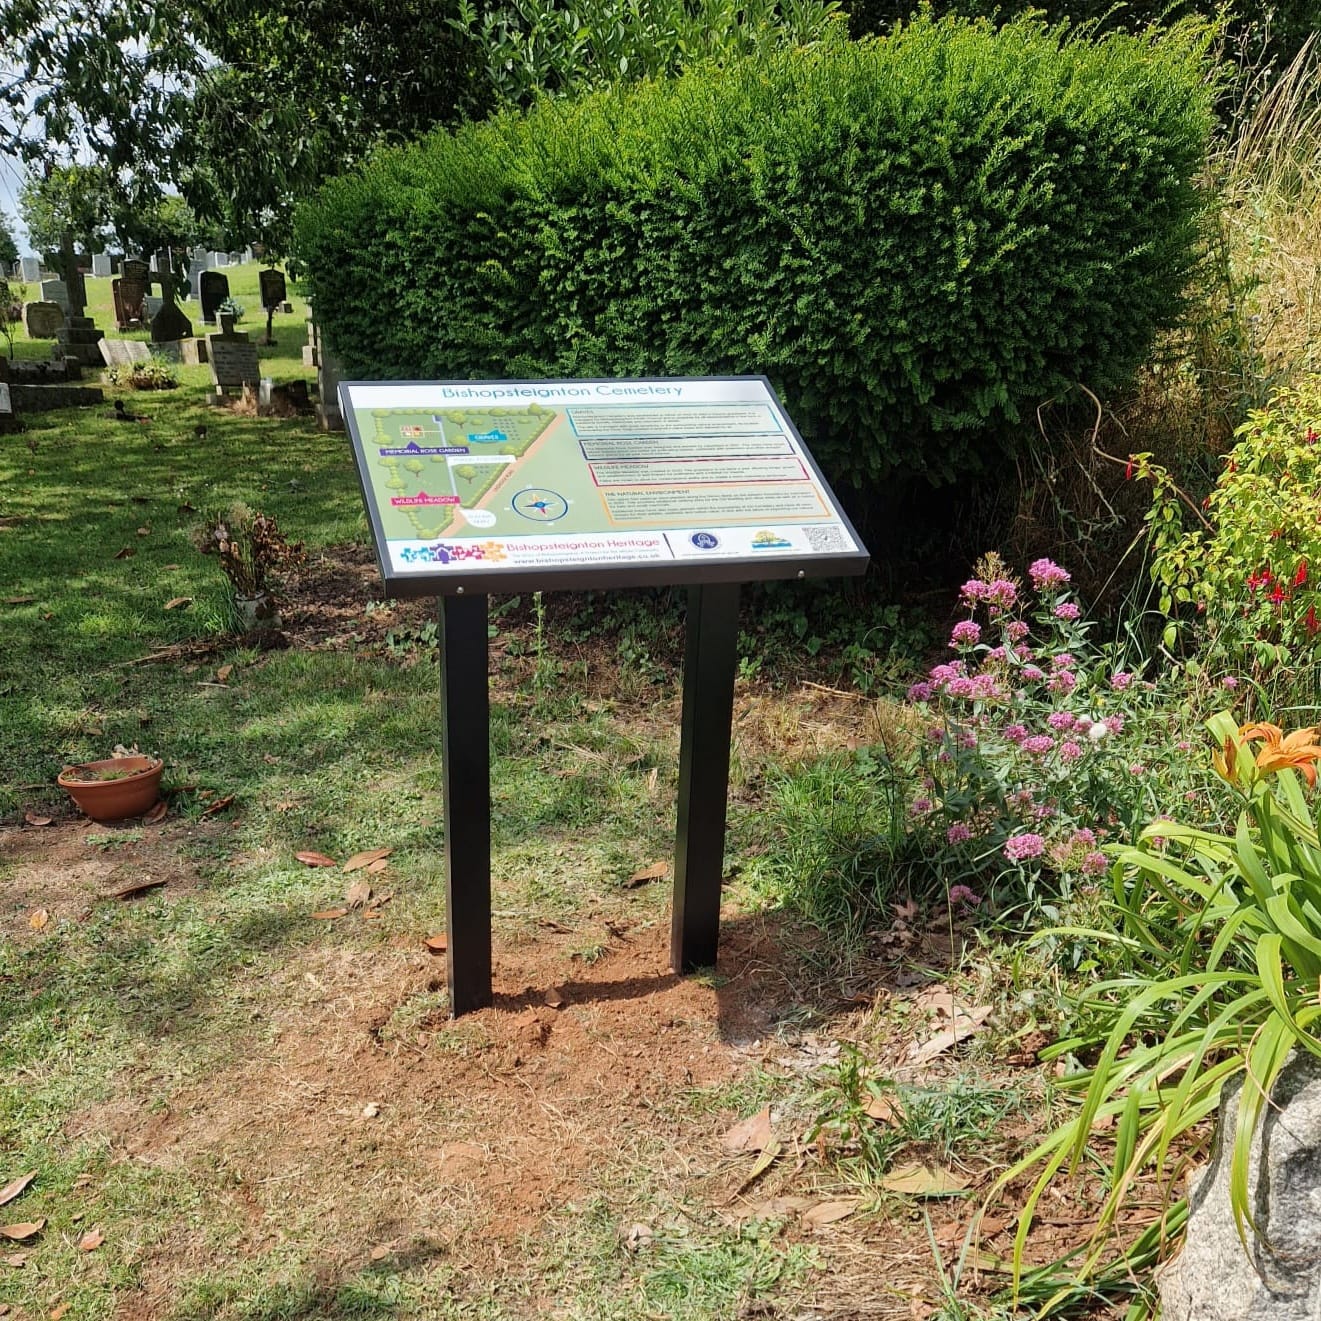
(467, 773)
(710, 661)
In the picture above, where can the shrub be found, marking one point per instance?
(916, 239)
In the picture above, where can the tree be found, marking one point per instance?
(8, 248)
(239, 106)
(77, 198)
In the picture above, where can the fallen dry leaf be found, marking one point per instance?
(379, 1252)
(371, 913)
(178, 602)
(16, 1259)
(34, 820)
(437, 944)
(91, 1241)
(371, 1110)
(750, 1134)
(19, 600)
(219, 805)
(553, 999)
(357, 894)
(965, 1022)
(134, 887)
(638, 1237)
(763, 1162)
(366, 858)
(885, 1110)
(780, 1206)
(375, 868)
(57, 1312)
(144, 532)
(4, 1309)
(38, 919)
(126, 553)
(24, 1230)
(12, 1190)
(311, 859)
(285, 805)
(655, 872)
(924, 1181)
(826, 1213)
(330, 914)
(157, 813)
(223, 673)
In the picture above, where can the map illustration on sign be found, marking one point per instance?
(563, 474)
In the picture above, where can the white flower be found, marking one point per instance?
(1098, 731)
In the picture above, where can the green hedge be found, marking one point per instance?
(916, 239)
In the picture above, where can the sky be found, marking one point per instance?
(11, 177)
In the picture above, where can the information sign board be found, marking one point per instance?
(509, 485)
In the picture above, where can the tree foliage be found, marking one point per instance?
(8, 248)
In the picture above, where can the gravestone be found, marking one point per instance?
(312, 349)
(123, 352)
(30, 267)
(130, 292)
(273, 294)
(195, 268)
(43, 320)
(101, 265)
(233, 358)
(219, 259)
(56, 291)
(213, 290)
(170, 324)
(151, 304)
(273, 290)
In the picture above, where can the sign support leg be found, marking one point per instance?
(710, 661)
(465, 702)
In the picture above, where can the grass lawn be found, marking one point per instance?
(258, 1113)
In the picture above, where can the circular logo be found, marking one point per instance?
(479, 517)
(705, 540)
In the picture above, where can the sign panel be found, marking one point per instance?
(508, 485)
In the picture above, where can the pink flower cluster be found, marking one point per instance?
(1019, 848)
(1000, 594)
(967, 633)
(1046, 575)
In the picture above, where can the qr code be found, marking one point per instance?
(825, 538)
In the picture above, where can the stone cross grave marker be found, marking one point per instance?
(213, 290)
(233, 357)
(168, 322)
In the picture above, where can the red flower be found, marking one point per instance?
(1300, 577)
(1128, 471)
(1278, 596)
(1312, 436)
(1311, 621)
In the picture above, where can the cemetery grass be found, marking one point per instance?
(268, 1114)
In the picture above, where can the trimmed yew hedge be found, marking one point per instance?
(917, 239)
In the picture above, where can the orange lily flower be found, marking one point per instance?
(1226, 761)
(1299, 749)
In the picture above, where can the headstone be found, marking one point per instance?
(151, 305)
(219, 259)
(1279, 1277)
(273, 290)
(43, 320)
(192, 352)
(123, 352)
(195, 268)
(56, 291)
(73, 279)
(328, 416)
(101, 265)
(213, 290)
(233, 358)
(170, 324)
(130, 292)
(31, 269)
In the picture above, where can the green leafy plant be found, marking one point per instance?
(1216, 953)
(231, 307)
(1249, 570)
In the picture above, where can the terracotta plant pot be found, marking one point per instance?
(115, 788)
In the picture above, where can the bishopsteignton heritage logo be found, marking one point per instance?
(705, 540)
